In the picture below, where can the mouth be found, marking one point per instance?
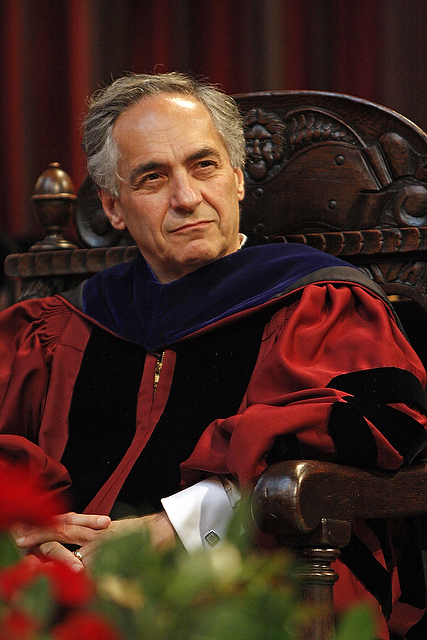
(199, 224)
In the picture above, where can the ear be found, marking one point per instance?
(112, 210)
(240, 183)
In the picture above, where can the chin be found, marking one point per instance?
(198, 253)
(201, 252)
(193, 265)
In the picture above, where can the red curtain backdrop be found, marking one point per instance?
(54, 53)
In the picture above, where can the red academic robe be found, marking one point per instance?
(322, 331)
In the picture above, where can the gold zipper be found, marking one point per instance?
(159, 363)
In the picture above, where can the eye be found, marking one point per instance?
(150, 177)
(204, 168)
(149, 181)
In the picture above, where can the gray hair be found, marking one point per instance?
(107, 104)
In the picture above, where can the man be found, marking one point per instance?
(205, 359)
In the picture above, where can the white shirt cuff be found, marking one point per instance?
(202, 513)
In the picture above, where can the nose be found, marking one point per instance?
(256, 147)
(185, 194)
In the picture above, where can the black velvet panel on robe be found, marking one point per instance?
(211, 376)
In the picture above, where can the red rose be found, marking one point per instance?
(16, 577)
(24, 499)
(15, 625)
(70, 589)
(84, 626)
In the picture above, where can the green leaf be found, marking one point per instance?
(9, 552)
(37, 600)
(358, 623)
(232, 592)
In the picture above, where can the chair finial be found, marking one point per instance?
(53, 200)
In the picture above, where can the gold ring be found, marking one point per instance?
(78, 555)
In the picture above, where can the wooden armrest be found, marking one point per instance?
(310, 505)
(296, 497)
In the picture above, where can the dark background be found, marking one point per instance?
(54, 53)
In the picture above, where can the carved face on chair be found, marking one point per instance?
(179, 195)
(265, 143)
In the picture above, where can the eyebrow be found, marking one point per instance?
(143, 168)
(204, 153)
(154, 166)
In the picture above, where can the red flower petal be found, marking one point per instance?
(70, 589)
(17, 626)
(84, 626)
(16, 577)
(23, 498)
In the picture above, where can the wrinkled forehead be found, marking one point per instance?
(162, 121)
(169, 106)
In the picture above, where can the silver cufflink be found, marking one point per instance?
(212, 538)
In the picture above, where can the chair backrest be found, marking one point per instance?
(348, 177)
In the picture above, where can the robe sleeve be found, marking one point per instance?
(301, 401)
(29, 335)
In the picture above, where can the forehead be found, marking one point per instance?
(164, 124)
(257, 131)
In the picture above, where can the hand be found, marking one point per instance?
(162, 533)
(68, 528)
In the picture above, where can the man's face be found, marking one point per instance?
(179, 194)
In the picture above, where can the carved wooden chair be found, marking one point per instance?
(335, 172)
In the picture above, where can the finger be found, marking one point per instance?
(88, 551)
(60, 532)
(55, 551)
(117, 527)
(94, 522)
(91, 521)
(161, 531)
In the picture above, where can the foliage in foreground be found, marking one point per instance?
(134, 592)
